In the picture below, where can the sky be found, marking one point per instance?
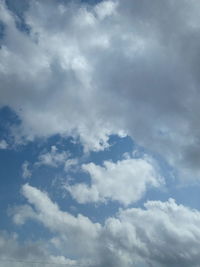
(99, 133)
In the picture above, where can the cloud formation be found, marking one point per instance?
(53, 158)
(107, 68)
(125, 181)
(89, 71)
(161, 234)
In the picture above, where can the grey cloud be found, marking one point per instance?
(97, 70)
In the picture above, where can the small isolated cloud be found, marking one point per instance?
(125, 181)
(54, 158)
(26, 172)
(71, 164)
(161, 234)
(3, 144)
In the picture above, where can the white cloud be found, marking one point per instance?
(71, 164)
(54, 158)
(123, 68)
(125, 181)
(68, 227)
(105, 9)
(162, 234)
(3, 144)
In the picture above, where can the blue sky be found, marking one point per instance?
(99, 135)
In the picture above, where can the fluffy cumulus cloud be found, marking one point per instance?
(162, 234)
(112, 67)
(74, 236)
(62, 222)
(125, 181)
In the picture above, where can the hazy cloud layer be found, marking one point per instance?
(14, 253)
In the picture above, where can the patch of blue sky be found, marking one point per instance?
(2, 31)
(187, 195)
(19, 7)
(10, 182)
(117, 147)
(7, 118)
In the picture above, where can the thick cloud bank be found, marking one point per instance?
(162, 234)
(117, 66)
